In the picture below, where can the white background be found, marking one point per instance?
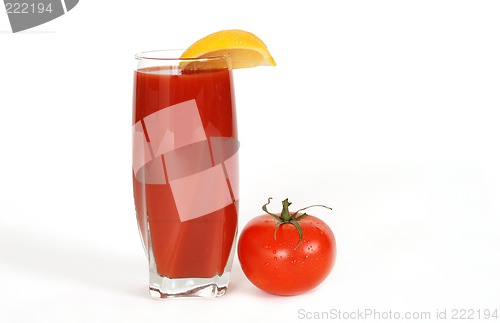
(385, 110)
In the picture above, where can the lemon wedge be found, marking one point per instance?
(244, 48)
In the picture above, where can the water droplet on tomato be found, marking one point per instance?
(267, 264)
(275, 258)
(274, 251)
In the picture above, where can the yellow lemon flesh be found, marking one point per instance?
(244, 48)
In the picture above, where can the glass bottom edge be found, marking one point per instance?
(161, 287)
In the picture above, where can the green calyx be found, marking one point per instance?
(286, 218)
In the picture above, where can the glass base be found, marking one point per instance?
(164, 287)
(161, 287)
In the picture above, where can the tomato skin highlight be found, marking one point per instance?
(275, 266)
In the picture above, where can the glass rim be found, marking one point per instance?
(169, 55)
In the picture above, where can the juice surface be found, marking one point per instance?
(185, 169)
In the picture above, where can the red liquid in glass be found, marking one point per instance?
(198, 247)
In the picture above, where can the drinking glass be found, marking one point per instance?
(185, 171)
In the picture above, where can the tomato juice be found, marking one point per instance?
(185, 169)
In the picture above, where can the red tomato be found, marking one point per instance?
(282, 258)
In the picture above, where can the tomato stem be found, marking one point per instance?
(286, 218)
(285, 212)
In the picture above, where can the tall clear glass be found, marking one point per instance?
(185, 172)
